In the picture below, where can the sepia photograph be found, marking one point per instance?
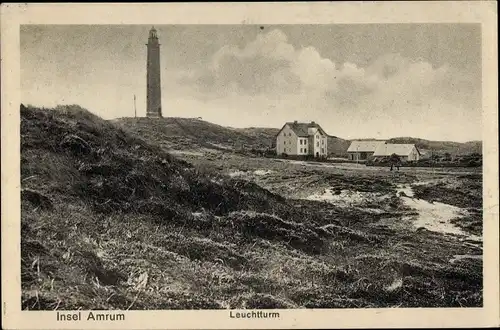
(251, 168)
(208, 167)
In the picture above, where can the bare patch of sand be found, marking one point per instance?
(344, 197)
(434, 216)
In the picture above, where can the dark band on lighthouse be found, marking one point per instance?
(153, 76)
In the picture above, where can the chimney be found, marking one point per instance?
(313, 122)
(295, 122)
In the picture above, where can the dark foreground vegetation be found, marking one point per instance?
(110, 221)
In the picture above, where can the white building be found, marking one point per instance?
(302, 139)
(406, 152)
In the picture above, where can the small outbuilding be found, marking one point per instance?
(363, 149)
(405, 152)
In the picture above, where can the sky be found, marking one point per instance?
(355, 80)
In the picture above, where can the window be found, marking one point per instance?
(301, 149)
(305, 150)
(322, 150)
(300, 141)
(305, 141)
(322, 142)
(317, 144)
(284, 142)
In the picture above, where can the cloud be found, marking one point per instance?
(270, 65)
(392, 95)
(262, 66)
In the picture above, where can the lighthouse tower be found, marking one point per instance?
(153, 76)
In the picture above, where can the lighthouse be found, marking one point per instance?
(153, 76)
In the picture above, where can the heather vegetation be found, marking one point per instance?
(112, 219)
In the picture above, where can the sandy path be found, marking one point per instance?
(434, 216)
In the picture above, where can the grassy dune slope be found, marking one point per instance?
(112, 222)
(186, 133)
(181, 133)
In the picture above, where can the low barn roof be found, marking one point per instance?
(398, 149)
(301, 129)
(364, 146)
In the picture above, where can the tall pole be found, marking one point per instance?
(135, 108)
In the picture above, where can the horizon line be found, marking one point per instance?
(277, 128)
